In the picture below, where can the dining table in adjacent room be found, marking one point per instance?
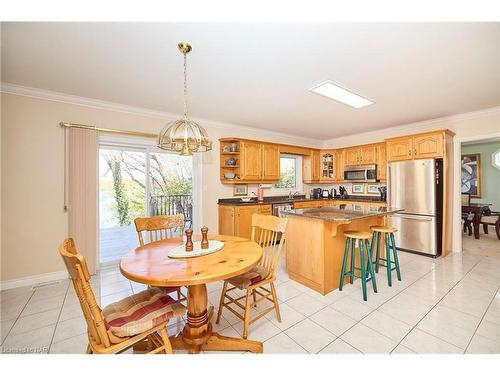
(151, 265)
(477, 209)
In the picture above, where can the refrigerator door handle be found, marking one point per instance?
(417, 218)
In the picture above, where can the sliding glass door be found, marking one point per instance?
(138, 181)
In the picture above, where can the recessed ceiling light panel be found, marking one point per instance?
(332, 91)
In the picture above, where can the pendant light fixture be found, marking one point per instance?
(184, 135)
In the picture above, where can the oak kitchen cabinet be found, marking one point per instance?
(381, 161)
(253, 161)
(323, 166)
(310, 167)
(360, 155)
(310, 204)
(270, 162)
(417, 146)
(237, 220)
(327, 166)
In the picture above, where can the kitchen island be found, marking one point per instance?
(316, 241)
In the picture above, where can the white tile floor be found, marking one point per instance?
(445, 305)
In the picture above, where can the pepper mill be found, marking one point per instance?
(189, 238)
(204, 238)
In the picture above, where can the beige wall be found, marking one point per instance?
(33, 220)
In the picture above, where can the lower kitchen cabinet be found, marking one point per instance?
(237, 220)
(312, 204)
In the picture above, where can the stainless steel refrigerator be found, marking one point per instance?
(416, 187)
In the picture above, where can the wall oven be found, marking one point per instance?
(360, 173)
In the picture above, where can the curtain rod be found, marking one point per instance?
(107, 130)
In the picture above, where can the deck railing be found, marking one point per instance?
(172, 205)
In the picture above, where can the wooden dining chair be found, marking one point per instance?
(269, 232)
(157, 228)
(491, 218)
(120, 325)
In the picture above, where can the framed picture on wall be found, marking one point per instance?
(239, 190)
(372, 189)
(358, 188)
(471, 175)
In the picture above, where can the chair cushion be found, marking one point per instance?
(256, 274)
(140, 312)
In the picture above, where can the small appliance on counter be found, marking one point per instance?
(343, 192)
(325, 193)
(383, 193)
(317, 193)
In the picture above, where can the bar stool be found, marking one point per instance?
(388, 232)
(363, 239)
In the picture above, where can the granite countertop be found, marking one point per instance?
(343, 212)
(298, 198)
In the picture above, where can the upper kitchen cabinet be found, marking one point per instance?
(399, 148)
(340, 161)
(428, 146)
(367, 154)
(251, 161)
(360, 155)
(311, 167)
(270, 162)
(244, 161)
(327, 166)
(419, 146)
(351, 156)
(381, 161)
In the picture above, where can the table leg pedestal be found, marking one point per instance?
(197, 333)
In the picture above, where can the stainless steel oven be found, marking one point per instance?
(360, 173)
(279, 209)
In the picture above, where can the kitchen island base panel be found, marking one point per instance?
(315, 249)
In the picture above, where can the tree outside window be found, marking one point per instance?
(288, 173)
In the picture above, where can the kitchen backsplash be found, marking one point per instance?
(252, 188)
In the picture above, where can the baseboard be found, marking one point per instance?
(33, 280)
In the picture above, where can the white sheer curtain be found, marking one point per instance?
(83, 148)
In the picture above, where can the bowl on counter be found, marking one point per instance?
(246, 199)
(229, 175)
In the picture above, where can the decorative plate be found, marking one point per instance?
(180, 251)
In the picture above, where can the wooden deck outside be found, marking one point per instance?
(114, 243)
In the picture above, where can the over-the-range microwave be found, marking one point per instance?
(360, 173)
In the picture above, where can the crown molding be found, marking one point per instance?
(415, 127)
(13, 89)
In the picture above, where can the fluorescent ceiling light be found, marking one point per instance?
(332, 91)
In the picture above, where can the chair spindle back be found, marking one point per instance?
(266, 230)
(159, 227)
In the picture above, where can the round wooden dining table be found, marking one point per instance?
(151, 265)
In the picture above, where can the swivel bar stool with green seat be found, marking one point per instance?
(363, 239)
(390, 244)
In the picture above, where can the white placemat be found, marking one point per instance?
(180, 251)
